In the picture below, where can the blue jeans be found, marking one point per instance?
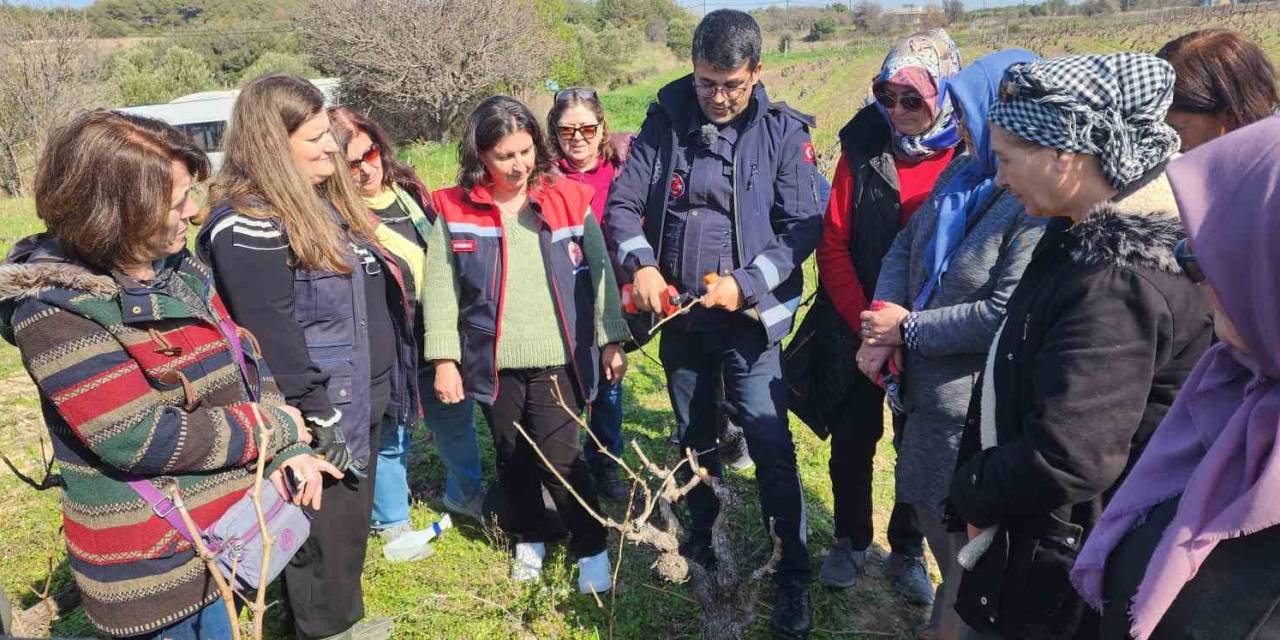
(209, 623)
(453, 427)
(454, 430)
(752, 381)
(606, 424)
(391, 483)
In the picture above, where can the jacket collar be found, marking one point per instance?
(866, 138)
(1140, 229)
(38, 265)
(482, 195)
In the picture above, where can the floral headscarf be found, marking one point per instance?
(923, 62)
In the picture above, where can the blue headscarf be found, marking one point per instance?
(974, 90)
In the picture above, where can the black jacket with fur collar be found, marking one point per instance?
(1099, 336)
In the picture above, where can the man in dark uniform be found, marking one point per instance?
(722, 181)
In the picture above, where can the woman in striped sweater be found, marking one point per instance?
(119, 327)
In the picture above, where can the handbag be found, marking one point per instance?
(817, 367)
(235, 539)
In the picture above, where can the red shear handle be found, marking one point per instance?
(670, 300)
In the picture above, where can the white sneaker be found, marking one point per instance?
(593, 573)
(527, 565)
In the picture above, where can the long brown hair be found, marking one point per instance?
(347, 122)
(104, 183)
(579, 97)
(260, 179)
(1221, 71)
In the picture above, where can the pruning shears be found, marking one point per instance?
(674, 303)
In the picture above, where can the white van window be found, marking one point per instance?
(207, 135)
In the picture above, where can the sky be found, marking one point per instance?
(745, 5)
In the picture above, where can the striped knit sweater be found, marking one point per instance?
(137, 381)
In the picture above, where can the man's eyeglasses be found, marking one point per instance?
(588, 132)
(581, 93)
(710, 89)
(889, 100)
(370, 155)
(1187, 261)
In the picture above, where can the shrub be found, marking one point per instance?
(278, 62)
(822, 28)
(151, 74)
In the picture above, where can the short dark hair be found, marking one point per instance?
(1221, 71)
(104, 182)
(496, 117)
(727, 39)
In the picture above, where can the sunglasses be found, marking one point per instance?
(569, 133)
(1187, 261)
(370, 155)
(581, 93)
(910, 102)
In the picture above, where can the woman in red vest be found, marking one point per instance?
(533, 324)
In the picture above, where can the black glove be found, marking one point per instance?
(329, 443)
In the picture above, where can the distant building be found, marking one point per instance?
(204, 116)
(907, 16)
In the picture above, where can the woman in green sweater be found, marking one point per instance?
(533, 323)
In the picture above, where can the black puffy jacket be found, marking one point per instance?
(1099, 336)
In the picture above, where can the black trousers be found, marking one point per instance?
(525, 396)
(853, 449)
(740, 365)
(322, 581)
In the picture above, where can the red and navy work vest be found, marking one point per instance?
(477, 243)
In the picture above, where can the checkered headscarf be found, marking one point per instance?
(1111, 106)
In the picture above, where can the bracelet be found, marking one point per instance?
(910, 330)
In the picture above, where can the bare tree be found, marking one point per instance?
(48, 70)
(934, 17)
(867, 14)
(419, 65)
(954, 9)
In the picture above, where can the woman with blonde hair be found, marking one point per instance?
(294, 255)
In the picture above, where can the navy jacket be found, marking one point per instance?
(778, 200)
(312, 325)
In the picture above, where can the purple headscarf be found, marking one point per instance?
(1217, 447)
